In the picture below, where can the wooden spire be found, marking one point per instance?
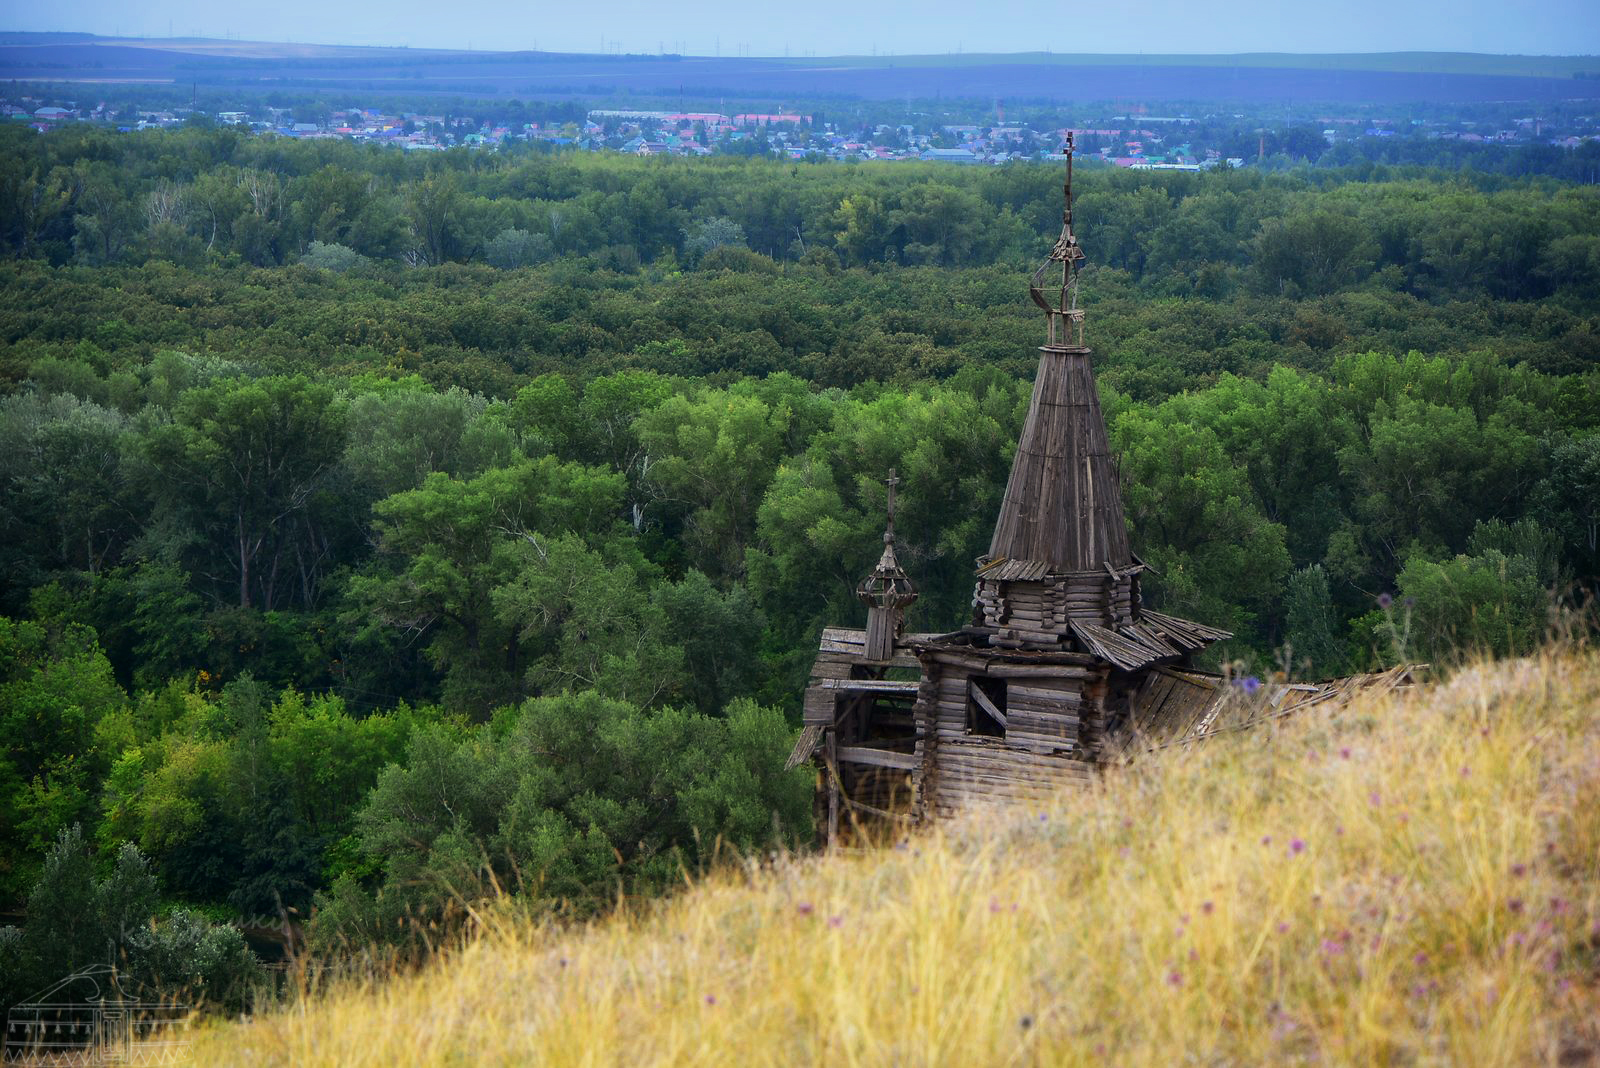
(1063, 504)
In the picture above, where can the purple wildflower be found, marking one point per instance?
(805, 908)
(1251, 684)
(1384, 601)
(711, 999)
(1174, 979)
(1266, 839)
(1420, 959)
(1206, 907)
(1297, 847)
(1515, 904)
(1344, 752)
(836, 921)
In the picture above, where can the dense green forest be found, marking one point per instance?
(375, 531)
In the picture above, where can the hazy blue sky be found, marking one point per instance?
(825, 27)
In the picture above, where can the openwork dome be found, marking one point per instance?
(888, 586)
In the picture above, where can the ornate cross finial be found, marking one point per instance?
(892, 481)
(1060, 301)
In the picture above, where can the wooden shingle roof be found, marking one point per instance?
(1063, 504)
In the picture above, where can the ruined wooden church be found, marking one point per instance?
(1060, 650)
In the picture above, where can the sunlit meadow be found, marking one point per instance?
(1411, 879)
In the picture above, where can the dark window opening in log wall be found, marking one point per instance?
(986, 707)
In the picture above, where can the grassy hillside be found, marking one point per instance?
(1409, 880)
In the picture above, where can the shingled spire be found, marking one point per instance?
(1059, 573)
(1063, 505)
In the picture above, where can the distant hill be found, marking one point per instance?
(1391, 77)
(1407, 880)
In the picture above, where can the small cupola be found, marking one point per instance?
(887, 592)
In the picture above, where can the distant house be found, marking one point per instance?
(49, 114)
(950, 155)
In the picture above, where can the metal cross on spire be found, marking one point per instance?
(1061, 306)
(892, 481)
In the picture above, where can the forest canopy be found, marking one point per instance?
(375, 531)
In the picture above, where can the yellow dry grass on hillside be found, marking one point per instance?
(1412, 879)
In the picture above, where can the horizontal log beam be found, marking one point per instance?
(878, 758)
(871, 686)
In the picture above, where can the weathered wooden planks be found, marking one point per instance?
(1062, 504)
(883, 758)
(883, 686)
(975, 772)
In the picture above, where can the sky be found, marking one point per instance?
(837, 27)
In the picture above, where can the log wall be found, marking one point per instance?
(1054, 721)
(1038, 609)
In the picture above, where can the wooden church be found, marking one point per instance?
(1060, 649)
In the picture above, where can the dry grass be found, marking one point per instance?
(1410, 880)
